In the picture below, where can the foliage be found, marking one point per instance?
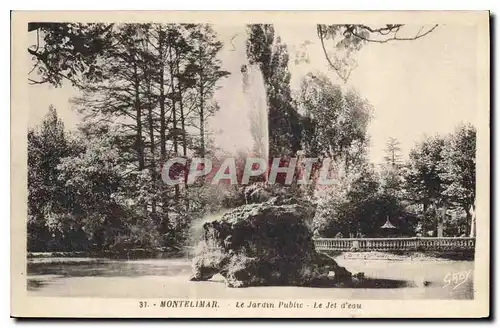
(91, 181)
(458, 167)
(441, 172)
(459, 170)
(71, 50)
(423, 173)
(47, 146)
(147, 94)
(68, 51)
(359, 204)
(149, 101)
(393, 152)
(335, 121)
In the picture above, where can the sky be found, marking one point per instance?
(417, 88)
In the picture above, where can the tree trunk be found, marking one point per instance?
(181, 111)
(152, 167)
(163, 127)
(441, 219)
(182, 119)
(471, 217)
(174, 114)
(137, 105)
(163, 140)
(174, 111)
(202, 110)
(152, 146)
(151, 135)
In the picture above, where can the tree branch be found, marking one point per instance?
(356, 31)
(395, 37)
(337, 69)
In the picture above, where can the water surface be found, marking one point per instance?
(160, 278)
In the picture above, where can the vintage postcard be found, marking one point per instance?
(250, 164)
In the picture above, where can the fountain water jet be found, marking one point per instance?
(256, 99)
(250, 100)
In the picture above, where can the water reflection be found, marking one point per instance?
(87, 267)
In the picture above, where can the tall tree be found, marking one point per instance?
(47, 146)
(423, 184)
(458, 170)
(423, 181)
(206, 69)
(118, 100)
(392, 150)
(334, 121)
(155, 97)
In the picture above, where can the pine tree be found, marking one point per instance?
(393, 155)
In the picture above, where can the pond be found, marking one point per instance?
(155, 278)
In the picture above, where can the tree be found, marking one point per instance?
(391, 181)
(391, 175)
(334, 121)
(393, 152)
(104, 197)
(47, 146)
(440, 175)
(207, 71)
(154, 99)
(423, 181)
(423, 184)
(458, 170)
(358, 204)
(120, 100)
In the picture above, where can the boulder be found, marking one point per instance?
(263, 244)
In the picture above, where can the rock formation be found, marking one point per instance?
(263, 244)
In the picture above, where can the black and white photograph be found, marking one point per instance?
(209, 167)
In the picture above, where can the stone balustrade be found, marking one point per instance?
(395, 244)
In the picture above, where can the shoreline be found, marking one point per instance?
(368, 255)
(125, 254)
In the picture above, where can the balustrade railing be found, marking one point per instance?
(395, 244)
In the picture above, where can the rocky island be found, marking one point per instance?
(265, 244)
